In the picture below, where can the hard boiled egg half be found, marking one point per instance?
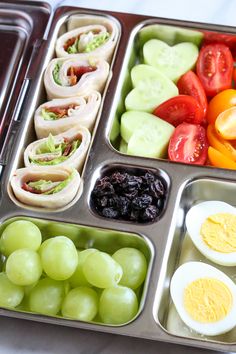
(212, 228)
(204, 297)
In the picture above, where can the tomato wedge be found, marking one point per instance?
(188, 144)
(76, 72)
(223, 38)
(215, 68)
(180, 109)
(189, 84)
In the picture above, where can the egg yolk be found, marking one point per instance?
(207, 300)
(219, 232)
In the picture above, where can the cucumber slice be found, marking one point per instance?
(132, 120)
(151, 139)
(171, 61)
(151, 89)
(187, 35)
(169, 34)
(115, 130)
(123, 146)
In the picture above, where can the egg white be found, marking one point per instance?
(189, 272)
(194, 220)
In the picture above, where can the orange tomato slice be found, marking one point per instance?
(225, 124)
(227, 148)
(218, 104)
(217, 159)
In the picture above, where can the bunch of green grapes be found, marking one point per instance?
(54, 278)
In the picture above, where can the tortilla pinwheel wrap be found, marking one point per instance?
(65, 149)
(70, 77)
(59, 115)
(91, 35)
(45, 187)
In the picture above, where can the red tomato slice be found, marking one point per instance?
(189, 84)
(215, 68)
(180, 109)
(188, 144)
(224, 38)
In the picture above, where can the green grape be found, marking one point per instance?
(80, 304)
(78, 278)
(47, 296)
(118, 305)
(134, 266)
(59, 257)
(24, 267)
(11, 294)
(101, 270)
(58, 229)
(20, 234)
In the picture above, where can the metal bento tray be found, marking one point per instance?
(187, 185)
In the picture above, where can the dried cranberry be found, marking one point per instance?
(102, 202)
(110, 213)
(123, 206)
(118, 178)
(149, 214)
(157, 189)
(131, 183)
(131, 195)
(141, 202)
(148, 178)
(103, 187)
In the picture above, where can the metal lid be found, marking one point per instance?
(22, 25)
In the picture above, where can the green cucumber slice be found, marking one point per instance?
(123, 146)
(169, 34)
(170, 61)
(146, 134)
(151, 89)
(187, 35)
(115, 130)
(132, 120)
(151, 139)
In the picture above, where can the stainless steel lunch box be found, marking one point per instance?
(29, 48)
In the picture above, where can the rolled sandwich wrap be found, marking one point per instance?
(69, 77)
(65, 149)
(89, 35)
(59, 115)
(45, 187)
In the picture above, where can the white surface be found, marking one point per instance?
(17, 336)
(211, 11)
